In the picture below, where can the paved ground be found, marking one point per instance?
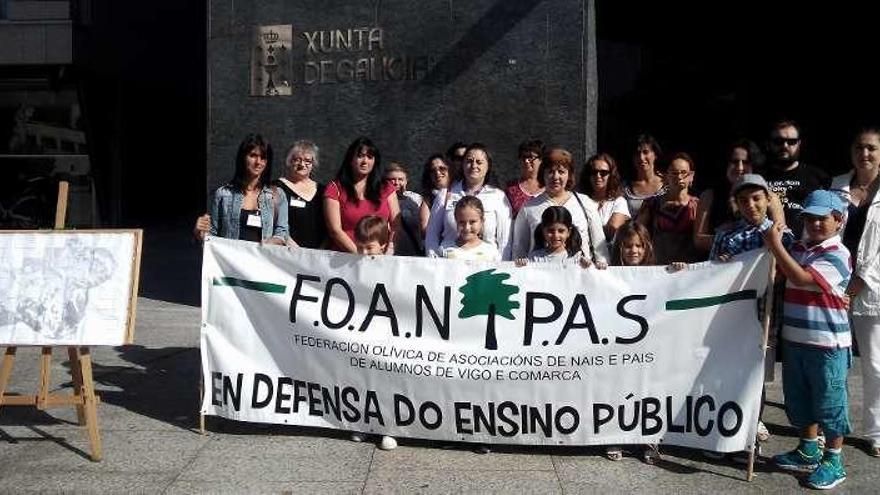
(149, 415)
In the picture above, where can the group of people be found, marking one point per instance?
(823, 232)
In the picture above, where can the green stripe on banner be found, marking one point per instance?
(705, 302)
(251, 285)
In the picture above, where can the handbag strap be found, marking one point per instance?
(589, 230)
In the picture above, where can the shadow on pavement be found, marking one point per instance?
(162, 384)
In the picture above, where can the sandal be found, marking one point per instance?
(763, 434)
(613, 453)
(651, 454)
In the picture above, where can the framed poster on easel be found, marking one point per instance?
(67, 288)
(62, 287)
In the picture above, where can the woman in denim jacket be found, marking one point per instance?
(248, 207)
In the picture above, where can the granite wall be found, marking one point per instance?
(413, 76)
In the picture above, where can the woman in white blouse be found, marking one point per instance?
(600, 180)
(477, 180)
(558, 178)
(861, 235)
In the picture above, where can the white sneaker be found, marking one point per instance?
(388, 443)
(614, 452)
(763, 434)
(357, 437)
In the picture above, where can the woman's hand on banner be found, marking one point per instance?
(202, 227)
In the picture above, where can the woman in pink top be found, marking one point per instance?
(528, 186)
(358, 191)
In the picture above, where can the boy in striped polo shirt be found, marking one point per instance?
(816, 338)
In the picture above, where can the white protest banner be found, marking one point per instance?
(482, 352)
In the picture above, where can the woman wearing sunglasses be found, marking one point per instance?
(435, 177)
(600, 181)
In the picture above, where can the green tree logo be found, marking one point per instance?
(485, 293)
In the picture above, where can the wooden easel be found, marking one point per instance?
(768, 311)
(83, 397)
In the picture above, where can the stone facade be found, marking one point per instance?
(412, 76)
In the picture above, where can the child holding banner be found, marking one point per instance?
(817, 340)
(557, 240)
(752, 197)
(633, 247)
(469, 245)
(371, 236)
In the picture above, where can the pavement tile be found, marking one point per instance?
(249, 487)
(405, 459)
(595, 474)
(461, 481)
(86, 482)
(135, 453)
(280, 458)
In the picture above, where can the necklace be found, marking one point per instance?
(864, 186)
(561, 199)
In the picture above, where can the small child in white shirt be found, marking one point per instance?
(469, 245)
(557, 240)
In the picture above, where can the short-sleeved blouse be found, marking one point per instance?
(351, 212)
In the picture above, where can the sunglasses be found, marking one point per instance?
(789, 141)
(600, 173)
(678, 173)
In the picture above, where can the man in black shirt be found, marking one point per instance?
(790, 179)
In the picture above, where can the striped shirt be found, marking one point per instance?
(816, 314)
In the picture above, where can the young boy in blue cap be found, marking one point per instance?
(816, 338)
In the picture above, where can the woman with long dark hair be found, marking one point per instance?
(717, 208)
(358, 191)
(647, 182)
(248, 207)
(436, 176)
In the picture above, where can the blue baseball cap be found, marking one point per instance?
(821, 202)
